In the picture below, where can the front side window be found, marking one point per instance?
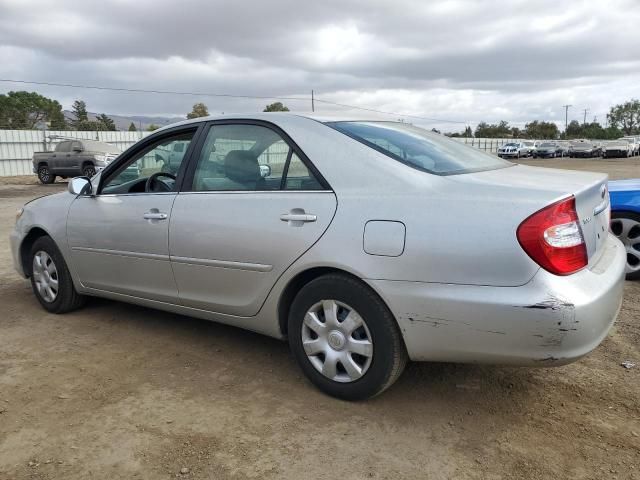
(152, 170)
(248, 158)
(420, 149)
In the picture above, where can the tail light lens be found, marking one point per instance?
(552, 237)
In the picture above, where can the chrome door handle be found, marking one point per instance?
(298, 217)
(155, 216)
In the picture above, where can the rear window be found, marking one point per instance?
(420, 149)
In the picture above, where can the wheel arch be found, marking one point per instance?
(27, 243)
(301, 279)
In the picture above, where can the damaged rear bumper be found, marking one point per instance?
(551, 320)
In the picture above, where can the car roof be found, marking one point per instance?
(275, 116)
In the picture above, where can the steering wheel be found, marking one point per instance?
(152, 181)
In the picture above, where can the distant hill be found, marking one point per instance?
(141, 122)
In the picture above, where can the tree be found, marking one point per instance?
(152, 127)
(541, 129)
(132, 127)
(276, 107)
(57, 121)
(107, 123)
(626, 116)
(499, 130)
(26, 110)
(79, 112)
(199, 110)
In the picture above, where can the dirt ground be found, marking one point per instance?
(118, 391)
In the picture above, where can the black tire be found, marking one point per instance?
(67, 299)
(633, 216)
(389, 353)
(45, 176)
(88, 170)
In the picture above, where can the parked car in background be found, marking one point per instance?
(332, 246)
(515, 150)
(584, 149)
(563, 148)
(171, 156)
(547, 150)
(72, 158)
(625, 220)
(635, 144)
(618, 148)
(529, 147)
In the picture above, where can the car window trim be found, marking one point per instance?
(123, 161)
(187, 181)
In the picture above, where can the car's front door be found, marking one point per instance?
(252, 204)
(119, 237)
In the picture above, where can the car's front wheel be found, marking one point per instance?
(626, 226)
(45, 176)
(344, 338)
(88, 170)
(50, 278)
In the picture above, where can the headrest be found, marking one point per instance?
(241, 166)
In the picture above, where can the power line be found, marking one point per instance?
(227, 95)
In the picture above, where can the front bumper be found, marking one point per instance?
(551, 320)
(616, 153)
(15, 239)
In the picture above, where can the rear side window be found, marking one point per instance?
(420, 149)
(239, 157)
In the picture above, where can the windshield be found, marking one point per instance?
(546, 145)
(420, 149)
(510, 144)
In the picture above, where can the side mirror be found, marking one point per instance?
(80, 186)
(77, 149)
(265, 171)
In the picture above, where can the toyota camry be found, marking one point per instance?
(364, 243)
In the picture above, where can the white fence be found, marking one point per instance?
(17, 146)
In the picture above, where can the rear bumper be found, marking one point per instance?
(551, 320)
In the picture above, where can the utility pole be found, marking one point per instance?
(566, 116)
(584, 122)
(313, 107)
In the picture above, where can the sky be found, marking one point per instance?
(451, 62)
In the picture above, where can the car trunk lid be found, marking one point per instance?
(539, 187)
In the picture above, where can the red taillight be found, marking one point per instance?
(552, 237)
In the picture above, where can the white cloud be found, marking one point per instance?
(464, 60)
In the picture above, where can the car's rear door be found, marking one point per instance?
(119, 237)
(251, 204)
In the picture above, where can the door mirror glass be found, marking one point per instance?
(80, 186)
(265, 171)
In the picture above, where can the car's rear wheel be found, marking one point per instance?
(50, 278)
(88, 170)
(626, 226)
(45, 176)
(344, 338)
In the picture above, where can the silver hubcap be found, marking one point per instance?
(45, 276)
(628, 231)
(337, 341)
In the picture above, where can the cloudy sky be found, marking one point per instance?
(458, 60)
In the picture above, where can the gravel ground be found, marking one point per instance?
(118, 391)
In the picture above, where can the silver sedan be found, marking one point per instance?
(364, 243)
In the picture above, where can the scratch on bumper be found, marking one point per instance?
(565, 321)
